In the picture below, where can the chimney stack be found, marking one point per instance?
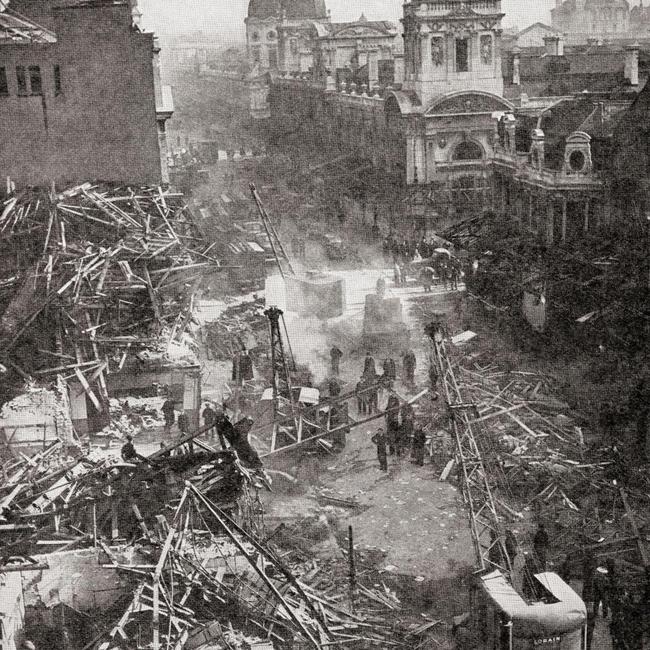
(554, 45)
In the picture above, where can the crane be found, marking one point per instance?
(487, 533)
(552, 615)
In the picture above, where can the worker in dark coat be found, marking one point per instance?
(418, 446)
(433, 376)
(369, 369)
(334, 387)
(392, 425)
(335, 359)
(209, 419)
(407, 417)
(362, 398)
(379, 439)
(373, 398)
(128, 452)
(246, 366)
(409, 363)
(168, 414)
(390, 370)
(183, 423)
(540, 546)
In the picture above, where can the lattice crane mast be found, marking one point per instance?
(486, 529)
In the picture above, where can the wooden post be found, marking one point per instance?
(94, 522)
(115, 533)
(352, 569)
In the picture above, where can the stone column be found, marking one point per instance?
(530, 211)
(585, 226)
(564, 203)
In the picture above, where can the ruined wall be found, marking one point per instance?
(100, 124)
(76, 579)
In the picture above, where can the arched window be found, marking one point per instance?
(468, 150)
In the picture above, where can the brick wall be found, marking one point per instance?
(102, 124)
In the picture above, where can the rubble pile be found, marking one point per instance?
(203, 581)
(80, 499)
(542, 466)
(238, 327)
(94, 277)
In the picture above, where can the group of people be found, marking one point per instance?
(604, 588)
(405, 251)
(401, 434)
(169, 413)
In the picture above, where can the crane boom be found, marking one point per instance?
(272, 234)
(489, 544)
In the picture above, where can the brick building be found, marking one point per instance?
(80, 94)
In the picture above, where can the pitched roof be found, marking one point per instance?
(538, 25)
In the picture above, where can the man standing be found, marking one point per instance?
(333, 387)
(406, 427)
(373, 399)
(369, 370)
(168, 414)
(380, 442)
(362, 398)
(209, 419)
(392, 425)
(390, 372)
(540, 546)
(335, 359)
(409, 362)
(419, 443)
(183, 423)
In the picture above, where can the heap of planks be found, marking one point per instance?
(96, 275)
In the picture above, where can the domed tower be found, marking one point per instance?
(302, 22)
(262, 23)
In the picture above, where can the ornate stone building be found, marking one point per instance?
(581, 20)
(456, 131)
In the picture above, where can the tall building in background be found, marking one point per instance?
(80, 94)
(582, 20)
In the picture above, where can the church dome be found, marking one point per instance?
(300, 9)
(293, 9)
(264, 9)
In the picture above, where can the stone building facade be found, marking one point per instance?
(81, 98)
(462, 131)
(581, 20)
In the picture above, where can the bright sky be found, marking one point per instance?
(227, 16)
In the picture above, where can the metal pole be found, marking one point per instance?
(352, 570)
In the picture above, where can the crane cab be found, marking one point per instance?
(500, 619)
